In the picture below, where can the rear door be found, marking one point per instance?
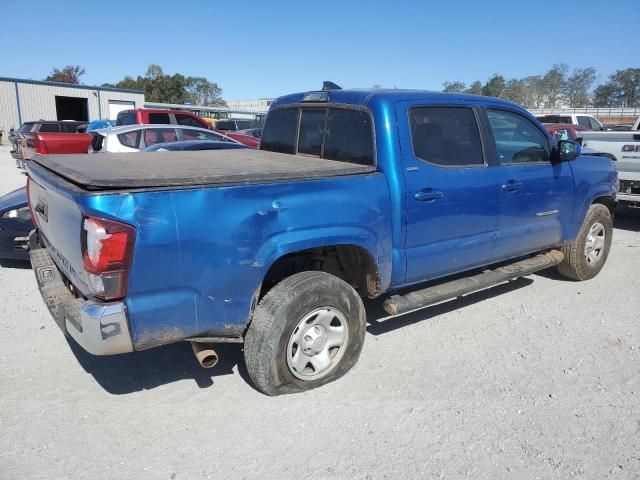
(451, 190)
(536, 196)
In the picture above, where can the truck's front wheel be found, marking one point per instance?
(585, 257)
(308, 330)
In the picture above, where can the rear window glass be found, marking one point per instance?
(333, 133)
(349, 136)
(555, 119)
(279, 134)
(130, 139)
(311, 131)
(447, 136)
(49, 127)
(188, 120)
(159, 118)
(126, 118)
(26, 128)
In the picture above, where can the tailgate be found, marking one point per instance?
(59, 221)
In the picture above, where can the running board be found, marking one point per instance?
(399, 304)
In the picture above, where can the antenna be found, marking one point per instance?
(327, 85)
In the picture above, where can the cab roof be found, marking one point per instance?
(366, 96)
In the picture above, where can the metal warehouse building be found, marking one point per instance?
(27, 100)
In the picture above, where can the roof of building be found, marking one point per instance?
(69, 85)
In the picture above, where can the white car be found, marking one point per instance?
(587, 121)
(134, 138)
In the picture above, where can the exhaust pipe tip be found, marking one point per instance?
(206, 356)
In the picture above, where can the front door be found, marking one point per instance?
(452, 193)
(536, 196)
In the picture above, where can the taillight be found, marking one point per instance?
(107, 247)
(41, 145)
(33, 217)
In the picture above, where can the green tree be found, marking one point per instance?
(605, 95)
(69, 74)
(553, 83)
(494, 87)
(627, 85)
(577, 87)
(475, 88)
(454, 87)
(203, 92)
(515, 90)
(162, 88)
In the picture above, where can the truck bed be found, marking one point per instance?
(111, 171)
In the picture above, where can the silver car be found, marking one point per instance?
(134, 138)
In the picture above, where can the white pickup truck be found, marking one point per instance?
(624, 148)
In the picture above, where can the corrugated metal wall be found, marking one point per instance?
(8, 106)
(38, 101)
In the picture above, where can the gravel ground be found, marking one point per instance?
(539, 378)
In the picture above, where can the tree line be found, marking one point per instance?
(560, 87)
(157, 86)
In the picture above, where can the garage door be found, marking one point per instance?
(116, 106)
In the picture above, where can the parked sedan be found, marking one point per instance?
(15, 225)
(191, 145)
(133, 138)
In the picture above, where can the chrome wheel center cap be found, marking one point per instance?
(314, 340)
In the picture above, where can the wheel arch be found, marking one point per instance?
(352, 262)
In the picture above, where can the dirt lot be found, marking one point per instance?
(539, 378)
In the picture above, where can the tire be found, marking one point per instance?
(298, 319)
(580, 259)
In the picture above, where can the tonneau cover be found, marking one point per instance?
(104, 171)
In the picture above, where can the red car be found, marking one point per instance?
(563, 131)
(147, 116)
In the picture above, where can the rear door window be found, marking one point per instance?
(584, 121)
(159, 135)
(182, 119)
(518, 140)
(446, 136)
(159, 118)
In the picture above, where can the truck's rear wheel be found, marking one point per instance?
(307, 331)
(585, 257)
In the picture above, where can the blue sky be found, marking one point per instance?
(269, 48)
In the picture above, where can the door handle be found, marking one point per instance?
(511, 186)
(428, 195)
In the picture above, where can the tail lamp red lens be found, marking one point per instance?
(107, 248)
(33, 217)
(41, 145)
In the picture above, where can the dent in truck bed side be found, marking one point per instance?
(196, 268)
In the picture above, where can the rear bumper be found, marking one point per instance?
(99, 328)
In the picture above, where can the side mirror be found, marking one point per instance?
(568, 150)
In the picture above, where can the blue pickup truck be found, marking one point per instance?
(353, 194)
